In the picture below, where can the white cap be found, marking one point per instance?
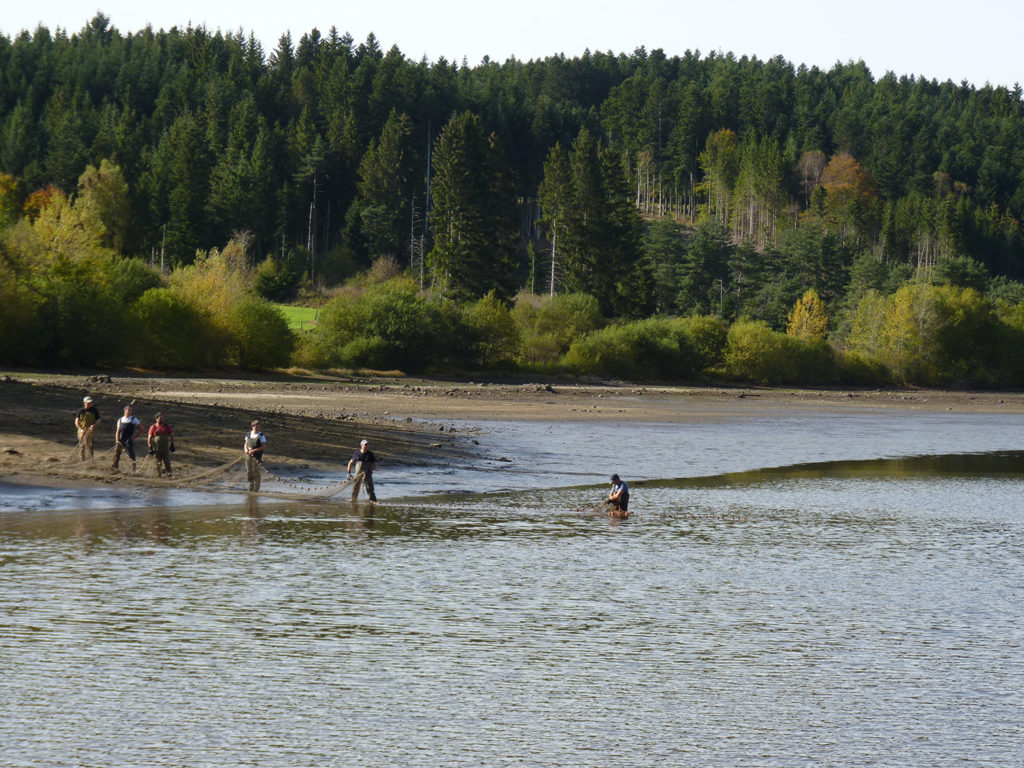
(364, 442)
(86, 399)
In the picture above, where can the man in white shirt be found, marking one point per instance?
(124, 436)
(255, 442)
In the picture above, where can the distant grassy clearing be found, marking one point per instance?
(299, 318)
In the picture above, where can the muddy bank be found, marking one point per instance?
(317, 422)
(38, 443)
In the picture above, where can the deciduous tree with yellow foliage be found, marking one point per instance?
(808, 320)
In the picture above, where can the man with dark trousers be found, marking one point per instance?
(364, 462)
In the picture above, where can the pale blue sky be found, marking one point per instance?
(976, 41)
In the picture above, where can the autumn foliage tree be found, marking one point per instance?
(851, 203)
(808, 320)
(930, 334)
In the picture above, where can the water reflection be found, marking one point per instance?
(868, 486)
(815, 614)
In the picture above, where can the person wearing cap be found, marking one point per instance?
(618, 497)
(160, 441)
(255, 443)
(364, 462)
(85, 423)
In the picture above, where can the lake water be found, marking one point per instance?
(796, 590)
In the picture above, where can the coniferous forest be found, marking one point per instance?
(643, 215)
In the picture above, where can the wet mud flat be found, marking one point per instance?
(437, 436)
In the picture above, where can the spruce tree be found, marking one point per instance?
(473, 215)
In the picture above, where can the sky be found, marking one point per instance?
(941, 39)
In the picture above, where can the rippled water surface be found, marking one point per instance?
(789, 594)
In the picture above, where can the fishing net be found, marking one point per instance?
(148, 470)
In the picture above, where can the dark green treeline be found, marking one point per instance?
(695, 186)
(215, 135)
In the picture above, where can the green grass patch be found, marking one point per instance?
(299, 318)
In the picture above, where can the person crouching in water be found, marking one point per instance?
(618, 497)
(124, 437)
(160, 441)
(255, 442)
(364, 462)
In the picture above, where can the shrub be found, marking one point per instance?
(815, 362)
(708, 334)
(130, 278)
(930, 334)
(78, 316)
(336, 265)
(260, 335)
(754, 352)
(308, 353)
(539, 352)
(370, 352)
(549, 325)
(860, 368)
(400, 327)
(277, 281)
(643, 349)
(568, 315)
(212, 285)
(493, 332)
(605, 352)
(170, 332)
(19, 318)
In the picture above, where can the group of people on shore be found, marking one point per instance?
(160, 442)
(159, 438)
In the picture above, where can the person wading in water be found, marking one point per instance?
(364, 462)
(618, 497)
(255, 443)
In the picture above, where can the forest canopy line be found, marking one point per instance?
(690, 186)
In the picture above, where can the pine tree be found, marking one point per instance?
(383, 189)
(188, 182)
(473, 215)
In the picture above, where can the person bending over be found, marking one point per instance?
(618, 497)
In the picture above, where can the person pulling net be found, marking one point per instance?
(617, 502)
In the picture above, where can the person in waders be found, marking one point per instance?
(618, 497)
(160, 441)
(364, 462)
(85, 423)
(255, 442)
(124, 437)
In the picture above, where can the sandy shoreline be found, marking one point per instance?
(317, 421)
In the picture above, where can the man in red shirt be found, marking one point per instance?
(161, 443)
